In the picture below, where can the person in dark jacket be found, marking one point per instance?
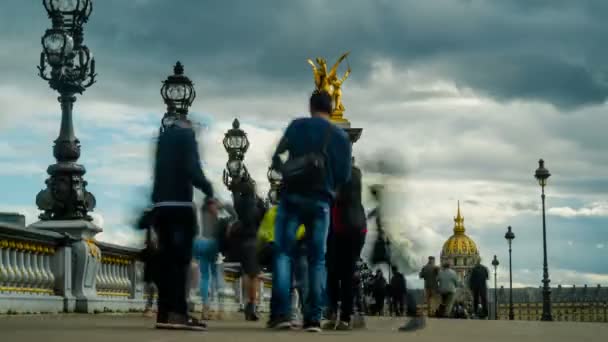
(477, 283)
(345, 241)
(249, 211)
(379, 292)
(307, 204)
(177, 169)
(398, 291)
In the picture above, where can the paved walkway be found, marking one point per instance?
(97, 328)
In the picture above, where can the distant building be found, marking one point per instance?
(576, 303)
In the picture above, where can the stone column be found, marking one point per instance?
(86, 259)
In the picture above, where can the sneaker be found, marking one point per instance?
(329, 325)
(148, 313)
(343, 326)
(312, 326)
(413, 324)
(279, 323)
(182, 322)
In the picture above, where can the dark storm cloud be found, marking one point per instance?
(548, 51)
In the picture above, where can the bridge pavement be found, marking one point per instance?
(132, 328)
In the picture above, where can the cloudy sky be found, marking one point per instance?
(462, 97)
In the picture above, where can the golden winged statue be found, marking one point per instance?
(328, 81)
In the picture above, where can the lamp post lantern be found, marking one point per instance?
(72, 71)
(495, 264)
(274, 178)
(236, 144)
(510, 236)
(541, 175)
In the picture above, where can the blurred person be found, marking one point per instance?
(429, 273)
(478, 285)
(398, 292)
(149, 255)
(207, 252)
(177, 169)
(379, 292)
(265, 252)
(345, 241)
(243, 236)
(319, 162)
(448, 283)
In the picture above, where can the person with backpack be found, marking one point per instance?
(344, 244)
(250, 209)
(319, 162)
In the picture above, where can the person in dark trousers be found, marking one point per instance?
(398, 291)
(177, 169)
(249, 211)
(429, 273)
(379, 292)
(477, 283)
(344, 244)
(149, 255)
(319, 162)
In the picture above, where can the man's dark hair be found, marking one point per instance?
(320, 102)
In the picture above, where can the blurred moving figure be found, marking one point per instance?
(448, 283)
(177, 169)
(478, 285)
(429, 273)
(344, 244)
(207, 252)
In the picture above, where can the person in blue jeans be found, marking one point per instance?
(307, 202)
(206, 252)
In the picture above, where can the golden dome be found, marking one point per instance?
(459, 244)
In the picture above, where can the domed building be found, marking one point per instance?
(460, 250)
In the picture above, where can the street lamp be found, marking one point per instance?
(510, 236)
(274, 178)
(495, 264)
(236, 144)
(542, 174)
(178, 94)
(72, 71)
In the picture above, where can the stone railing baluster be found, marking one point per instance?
(4, 276)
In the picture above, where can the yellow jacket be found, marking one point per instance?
(266, 231)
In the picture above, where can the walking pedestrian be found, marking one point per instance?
(319, 162)
(344, 244)
(448, 283)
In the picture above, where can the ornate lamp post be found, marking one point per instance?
(72, 71)
(236, 144)
(274, 178)
(178, 94)
(495, 264)
(510, 236)
(542, 174)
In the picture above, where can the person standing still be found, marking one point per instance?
(177, 169)
(477, 284)
(398, 292)
(319, 162)
(429, 273)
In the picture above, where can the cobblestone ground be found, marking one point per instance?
(131, 328)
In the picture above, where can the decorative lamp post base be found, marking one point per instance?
(65, 196)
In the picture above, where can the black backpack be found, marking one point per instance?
(307, 173)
